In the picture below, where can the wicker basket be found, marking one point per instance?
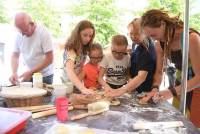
(29, 98)
(24, 102)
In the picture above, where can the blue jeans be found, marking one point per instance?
(48, 79)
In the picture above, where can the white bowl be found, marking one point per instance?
(70, 87)
(63, 89)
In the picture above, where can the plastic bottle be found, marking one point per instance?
(37, 80)
(62, 109)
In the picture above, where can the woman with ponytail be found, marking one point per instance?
(167, 31)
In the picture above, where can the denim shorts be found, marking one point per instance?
(48, 79)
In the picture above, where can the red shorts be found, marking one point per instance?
(195, 108)
(194, 111)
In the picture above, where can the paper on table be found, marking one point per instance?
(151, 125)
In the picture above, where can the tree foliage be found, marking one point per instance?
(195, 21)
(3, 15)
(175, 7)
(42, 12)
(102, 13)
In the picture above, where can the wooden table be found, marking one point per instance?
(118, 118)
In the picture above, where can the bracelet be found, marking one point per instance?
(155, 86)
(173, 91)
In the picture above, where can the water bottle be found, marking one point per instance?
(62, 109)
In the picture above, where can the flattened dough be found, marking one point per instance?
(21, 92)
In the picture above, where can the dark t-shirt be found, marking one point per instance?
(144, 59)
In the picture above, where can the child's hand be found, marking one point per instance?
(113, 93)
(93, 88)
(87, 91)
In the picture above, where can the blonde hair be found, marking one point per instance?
(136, 24)
(119, 40)
(74, 41)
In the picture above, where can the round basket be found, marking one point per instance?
(22, 96)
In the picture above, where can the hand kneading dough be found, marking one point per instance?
(100, 105)
(143, 101)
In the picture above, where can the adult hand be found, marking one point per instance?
(14, 79)
(149, 95)
(162, 95)
(26, 76)
(113, 93)
(107, 89)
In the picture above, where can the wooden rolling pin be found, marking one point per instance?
(93, 109)
(42, 109)
(47, 113)
(33, 108)
(80, 106)
(43, 113)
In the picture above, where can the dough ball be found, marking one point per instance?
(96, 106)
(115, 102)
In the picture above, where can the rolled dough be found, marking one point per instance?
(22, 92)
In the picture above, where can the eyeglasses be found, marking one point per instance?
(119, 53)
(96, 58)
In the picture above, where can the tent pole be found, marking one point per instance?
(185, 57)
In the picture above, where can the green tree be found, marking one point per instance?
(3, 15)
(175, 7)
(102, 13)
(42, 12)
(195, 21)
